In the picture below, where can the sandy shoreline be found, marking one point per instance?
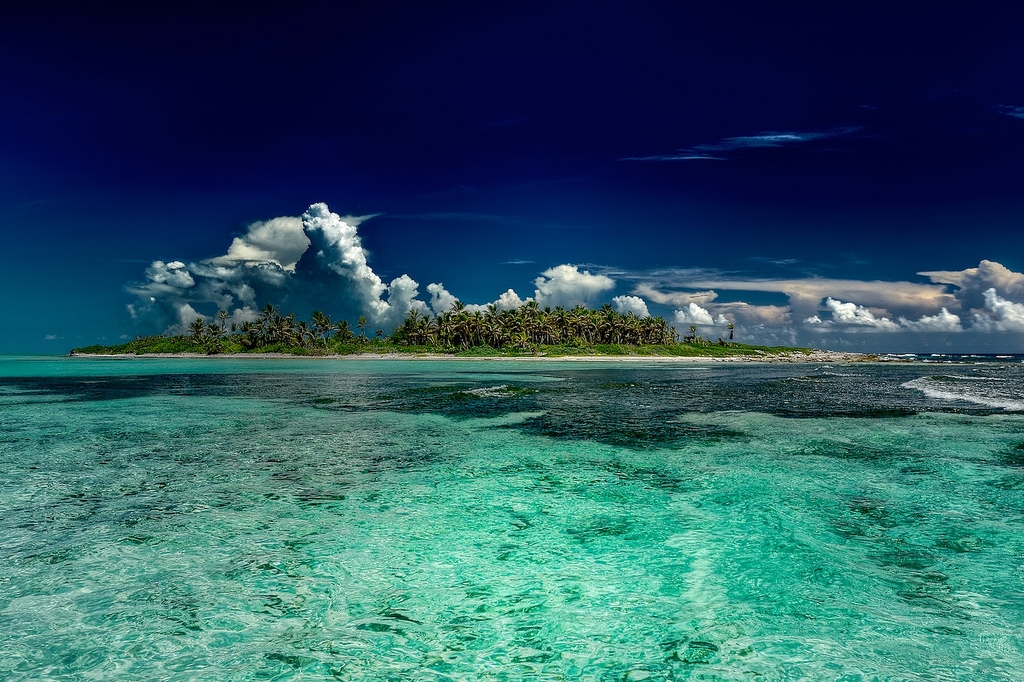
(818, 356)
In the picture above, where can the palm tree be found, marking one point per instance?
(361, 325)
(267, 312)
(305, 336)
(198, 329)
(222, 315)
(530, 325)
(342, 331)
(323, 325)
(250, 335)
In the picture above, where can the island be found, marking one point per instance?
(526, 331)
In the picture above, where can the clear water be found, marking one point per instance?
(235, 519)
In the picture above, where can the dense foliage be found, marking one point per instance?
(529, 325)
(527, 329)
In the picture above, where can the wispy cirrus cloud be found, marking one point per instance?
(781, 262)
(727, 147)
(674, 298)
(775, 139)
(1009, 110)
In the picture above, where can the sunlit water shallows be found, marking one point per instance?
(412, 520)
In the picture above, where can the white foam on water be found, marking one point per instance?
(947, 391)
(499, 391)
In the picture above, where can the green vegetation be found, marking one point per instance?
(528, 330)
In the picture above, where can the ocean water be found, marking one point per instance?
(239, 519)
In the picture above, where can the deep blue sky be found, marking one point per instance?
(852, 142)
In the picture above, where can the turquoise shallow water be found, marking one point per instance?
(319, 520)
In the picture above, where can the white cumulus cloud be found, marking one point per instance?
(943, 321)
(851, 315)
(403, 296)
(280, 240)
(631, 304)
(309, 262)
(1000, 314)
(567, 285)
(972, 283)
(337, 247)
(441, 300)
(805, 295)
(317, 261)
(693, 314)
(174, 275)
(510, 301)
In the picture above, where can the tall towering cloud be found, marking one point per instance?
(336, 249)
(307, 262)
(973, 283)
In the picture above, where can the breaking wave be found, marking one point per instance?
(988, 391)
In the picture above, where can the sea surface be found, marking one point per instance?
(242, 519)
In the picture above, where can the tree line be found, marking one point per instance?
(454, 330)
(530, 325)
(272, 328)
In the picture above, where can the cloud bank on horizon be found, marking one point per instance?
(317, 261)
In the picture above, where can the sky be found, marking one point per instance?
(846, 176)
